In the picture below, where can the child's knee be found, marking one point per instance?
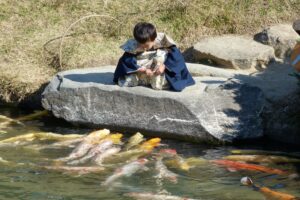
(159, 82)
(128, 81)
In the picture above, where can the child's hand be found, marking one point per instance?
(149, 72)
(161, 69)
(142, 69)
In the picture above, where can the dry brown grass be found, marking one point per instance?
(29, 50)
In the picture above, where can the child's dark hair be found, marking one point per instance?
(144, 32)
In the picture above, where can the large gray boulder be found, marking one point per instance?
(283, 119)
(281, 113)
(281, 37)
(215, 109)
(233, 51)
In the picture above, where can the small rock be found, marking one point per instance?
(281, 37)
(232, 51)
(296, 26)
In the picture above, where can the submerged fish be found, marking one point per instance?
(60, 144)
(86, 144)
(134, 140)
(76, 169)
(33, 115)
(264, 152)
(107, 153)
(96, 136)
(267, 192)
(127, 170)
(152, 196)
(126, 156)
(39, 136)
(179, 163)
(193, 161)
(133, 154)
(261, 158)
(244, 166)
(150, 144)
(95, 150)
(164, 172)
(6, 122)
(18, 140)
(78, 152)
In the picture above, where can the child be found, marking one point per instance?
(152, 59)
(295, 57)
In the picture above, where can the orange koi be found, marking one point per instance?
(244, 166)
(267, 192)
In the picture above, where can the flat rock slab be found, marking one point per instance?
(232, 51)
(214, 109)
(281, 37)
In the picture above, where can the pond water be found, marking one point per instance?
(23, 177)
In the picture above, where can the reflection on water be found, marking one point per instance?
(23, 177)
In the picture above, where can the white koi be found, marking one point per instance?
(152, 196)
(164, 172)
(76, 169)
(107, 153)
(97, 150)
(127, 170)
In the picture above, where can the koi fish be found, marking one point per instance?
(6, 121)
(244, 166)
(167, 153)
(96, 136)
(149, 145)
(193, 161)
(267, 192)
(127, 170)
(60, 144)
(98, 149)
(134, 140)
(126, 156)
(133, 154)
(78, 152)
(264, 152)
(178, 162)
(86, 144)
(107, 153)
(261, 159)
(33, 115)
(18, 140)
(26, 138)
(164, 172)
(152, 196)
(76, 169)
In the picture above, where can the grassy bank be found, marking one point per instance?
(30, 31)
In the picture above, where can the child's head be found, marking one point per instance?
(145, 33)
